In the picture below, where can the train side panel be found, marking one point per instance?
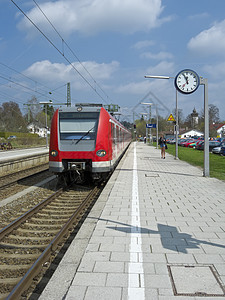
(103, 151)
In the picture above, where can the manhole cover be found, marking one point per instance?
(195, 281)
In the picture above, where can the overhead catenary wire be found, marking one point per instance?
(31, 79)
(21, 85)
(59, 51)
(71, 50)
(45, 94)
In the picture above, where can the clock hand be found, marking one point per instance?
(186, 78)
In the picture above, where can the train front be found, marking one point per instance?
(79, 143)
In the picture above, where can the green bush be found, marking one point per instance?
(22, 139)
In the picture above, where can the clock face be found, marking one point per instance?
(187, 81)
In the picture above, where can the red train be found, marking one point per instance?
(85, 141)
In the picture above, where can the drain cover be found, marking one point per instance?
(195, 281)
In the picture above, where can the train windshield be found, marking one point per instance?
(78, 126)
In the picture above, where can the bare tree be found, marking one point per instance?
(213, 114)
(11, 117)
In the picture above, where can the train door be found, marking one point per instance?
(113, 139)
(116, 133)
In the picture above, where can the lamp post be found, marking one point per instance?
(150, 118)
(146, 129)
(46, 119)
(168, 77)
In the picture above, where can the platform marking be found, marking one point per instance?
(136, 286)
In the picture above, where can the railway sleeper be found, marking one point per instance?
(27, 239)
(8, 245)
(23, 231)
(7, 271)
(54, 213)
(41, 227)
(36, 221)
(6, 287)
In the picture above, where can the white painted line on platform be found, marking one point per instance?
(136, 288)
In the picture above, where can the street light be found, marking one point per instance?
(146, 129)
(168, 77)
(158, 77)
(46, 119)
(150, 117)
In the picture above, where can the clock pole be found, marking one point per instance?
(186, 82)
(177, 128)
(204, 81)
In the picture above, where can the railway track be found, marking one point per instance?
(13, 183)
(33, 240)
(12, 178)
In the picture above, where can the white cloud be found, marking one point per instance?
(143, 44)
(93, 16)
(134, 88)
(59, 72)
(164, 68)
(216, 70)
(141, 87)
(210, 41)
(158, 56)
(199, 16)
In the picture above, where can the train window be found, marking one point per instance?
(77, 126)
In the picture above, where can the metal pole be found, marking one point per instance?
(150, 119)
(157, 131)
(204, 81)
(146, 130)
(176, 154)
(46, 122)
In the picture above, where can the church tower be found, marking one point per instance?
(194, 118)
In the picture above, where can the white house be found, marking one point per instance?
(192, 132)
(41, 131)
(220, 129)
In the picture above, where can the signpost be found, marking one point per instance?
(171, 118)
(150, 125)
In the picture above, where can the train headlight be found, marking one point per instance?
(101, 153)
(54, 153)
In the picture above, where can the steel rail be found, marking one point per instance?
(10, 227)
(26, 281)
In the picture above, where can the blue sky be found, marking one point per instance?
(111, 45)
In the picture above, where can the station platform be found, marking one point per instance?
(157, 231)
(18, 159)
(14, 154)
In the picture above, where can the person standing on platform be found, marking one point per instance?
(162, 144)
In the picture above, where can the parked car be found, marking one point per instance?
(222, 151)
(198, 145)
(212, 144)
(11, 137)
(171, 141)
(217, 150)
(187, 143)
(183, 141)
(192, 145)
